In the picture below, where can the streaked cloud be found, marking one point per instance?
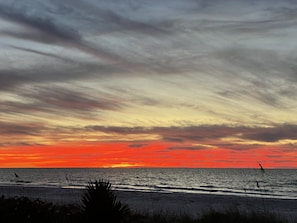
(212, 136)
(20, 129)
(137, 145)
(44, 30)
(273, 134)
(54, 102)
(186, 148)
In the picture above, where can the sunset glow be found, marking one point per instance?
(206, 84)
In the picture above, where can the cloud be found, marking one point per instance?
(10, 79)
(172, 53)
(13, 80)
(51, 55)
(172, 139)
(44, 30)
(117, 129)
(240, 138)
(236, 145)
(264, 63)
(273, 134)
(212, 134)
(20, 143)
(187, 148)
(173, 134)
(260, 76)
(8, 128)
(58, 101)
(119, 17)
(137, 145)
(126, 24)
(72, 100)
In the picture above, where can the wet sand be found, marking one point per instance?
(177, 203)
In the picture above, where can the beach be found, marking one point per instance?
(176, 203)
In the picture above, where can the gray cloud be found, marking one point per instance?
(12, 80)
(262, 76)
(264, 63)
(116, 17)
(173, 139)
(44, 30)
(72, 100)
(51, 55)
(126, 24)
(273, 134)
(137, 145)
(8, 128)
(187, 148)
(116, 129)
(20, 143)
(57, 101)
(48, 32)
(210, 133)
(236, 147)
(162, 54)
(206, 137)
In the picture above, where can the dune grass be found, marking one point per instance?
(100, 204)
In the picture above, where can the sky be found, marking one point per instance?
(138, 83)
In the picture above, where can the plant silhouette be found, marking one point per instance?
(100, 203)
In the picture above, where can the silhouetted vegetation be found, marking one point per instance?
(22, 209)
(100, 204)
(232, 216)
(236, 216)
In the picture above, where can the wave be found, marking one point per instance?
(276, 183)
(207, 189)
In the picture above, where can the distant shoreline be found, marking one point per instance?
(150, 202)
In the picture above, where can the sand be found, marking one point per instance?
(178, 203)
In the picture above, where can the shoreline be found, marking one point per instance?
(174, 203)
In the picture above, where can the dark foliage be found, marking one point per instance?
(24, 210)
(162, 217)
(233, 216)
(100, 204)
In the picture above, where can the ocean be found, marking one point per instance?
(273, 183)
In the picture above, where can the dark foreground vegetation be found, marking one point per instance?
(100, 204)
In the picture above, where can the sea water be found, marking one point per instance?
(274, 183)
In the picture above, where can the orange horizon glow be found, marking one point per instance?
(154, 155)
